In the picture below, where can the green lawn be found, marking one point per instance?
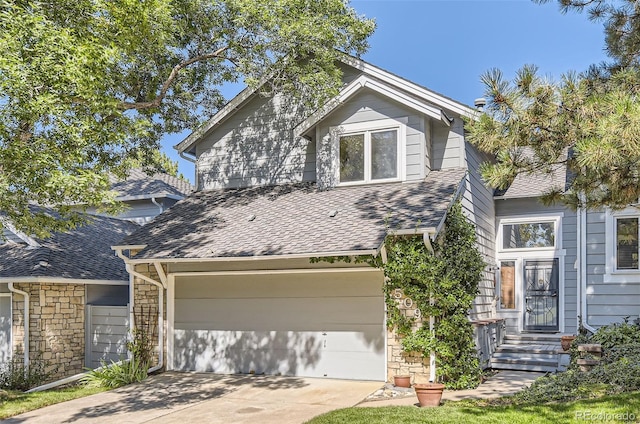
(477, 412)
(14, 402)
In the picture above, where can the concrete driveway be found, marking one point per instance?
(187, 398)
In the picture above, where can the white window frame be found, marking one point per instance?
(612, 273)
(532, 219)
(368, 127)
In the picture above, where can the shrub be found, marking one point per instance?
(617, 372)
(14, 375)
(127, 371)
(117, 374)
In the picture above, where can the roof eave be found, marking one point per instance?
(61, 280)
(307, 255)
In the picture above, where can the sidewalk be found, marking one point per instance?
(502, 384)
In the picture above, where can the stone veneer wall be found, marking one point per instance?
(405, 363)
(56, 327)
(145, 295)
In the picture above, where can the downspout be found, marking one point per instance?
(26, 321)
(432, 356)
(153, 200)
(161, 288)
(582, 272)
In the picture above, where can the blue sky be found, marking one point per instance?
(447, 45)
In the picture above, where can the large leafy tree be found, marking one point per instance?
(588, 123)
(86, 85)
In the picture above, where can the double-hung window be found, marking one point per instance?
(370, 154)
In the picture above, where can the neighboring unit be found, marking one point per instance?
(64, 300)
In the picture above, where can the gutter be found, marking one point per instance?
(25, 341)
(120, 248)
(189, 159)
(161, 288)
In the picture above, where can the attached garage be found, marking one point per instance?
(306, 323)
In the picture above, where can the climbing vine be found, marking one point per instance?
(443, 284)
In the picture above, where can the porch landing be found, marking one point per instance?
(530, 352)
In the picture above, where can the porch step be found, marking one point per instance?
(532, 338)
(523, 367)
(513, 354)
(550, 349)
(529, 352)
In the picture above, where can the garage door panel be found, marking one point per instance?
(282, 352)
(280, 286)
(304, 325)
(345, 364)
(315, 314)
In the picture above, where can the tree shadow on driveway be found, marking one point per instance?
(158, 396)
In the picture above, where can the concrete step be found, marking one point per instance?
(532, 338)
(523, 367)
(519, 355)
(527, 348)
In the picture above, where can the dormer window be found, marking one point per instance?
(370, 152)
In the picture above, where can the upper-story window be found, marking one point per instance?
(370, 152)
(529, 235)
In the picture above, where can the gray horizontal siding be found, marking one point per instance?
(368, 106)
(478, 204)
(607, 302)
(255, 146)
(446, 145)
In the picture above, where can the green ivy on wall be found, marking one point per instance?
(443, 284)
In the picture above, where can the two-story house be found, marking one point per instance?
(231, 267)
(234, 272)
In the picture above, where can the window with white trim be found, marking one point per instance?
(528, 235)
(626, 243)
(370, 152)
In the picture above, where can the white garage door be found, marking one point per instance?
(312, 325)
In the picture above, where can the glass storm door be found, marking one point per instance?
(541, 279)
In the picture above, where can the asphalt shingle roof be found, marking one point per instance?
(84, 253)
(138, 183)
(294, 218)
(535, 184)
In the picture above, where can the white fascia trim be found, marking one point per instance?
(428, 95)
(227, 111)
(58, 280)
(414, 231)
(373, 252)
(22, 236)
(275, 271)
(364, 81)
(129, 247)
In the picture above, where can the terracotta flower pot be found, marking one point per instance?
(429, 394)
(565, 342)
(402, 380)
